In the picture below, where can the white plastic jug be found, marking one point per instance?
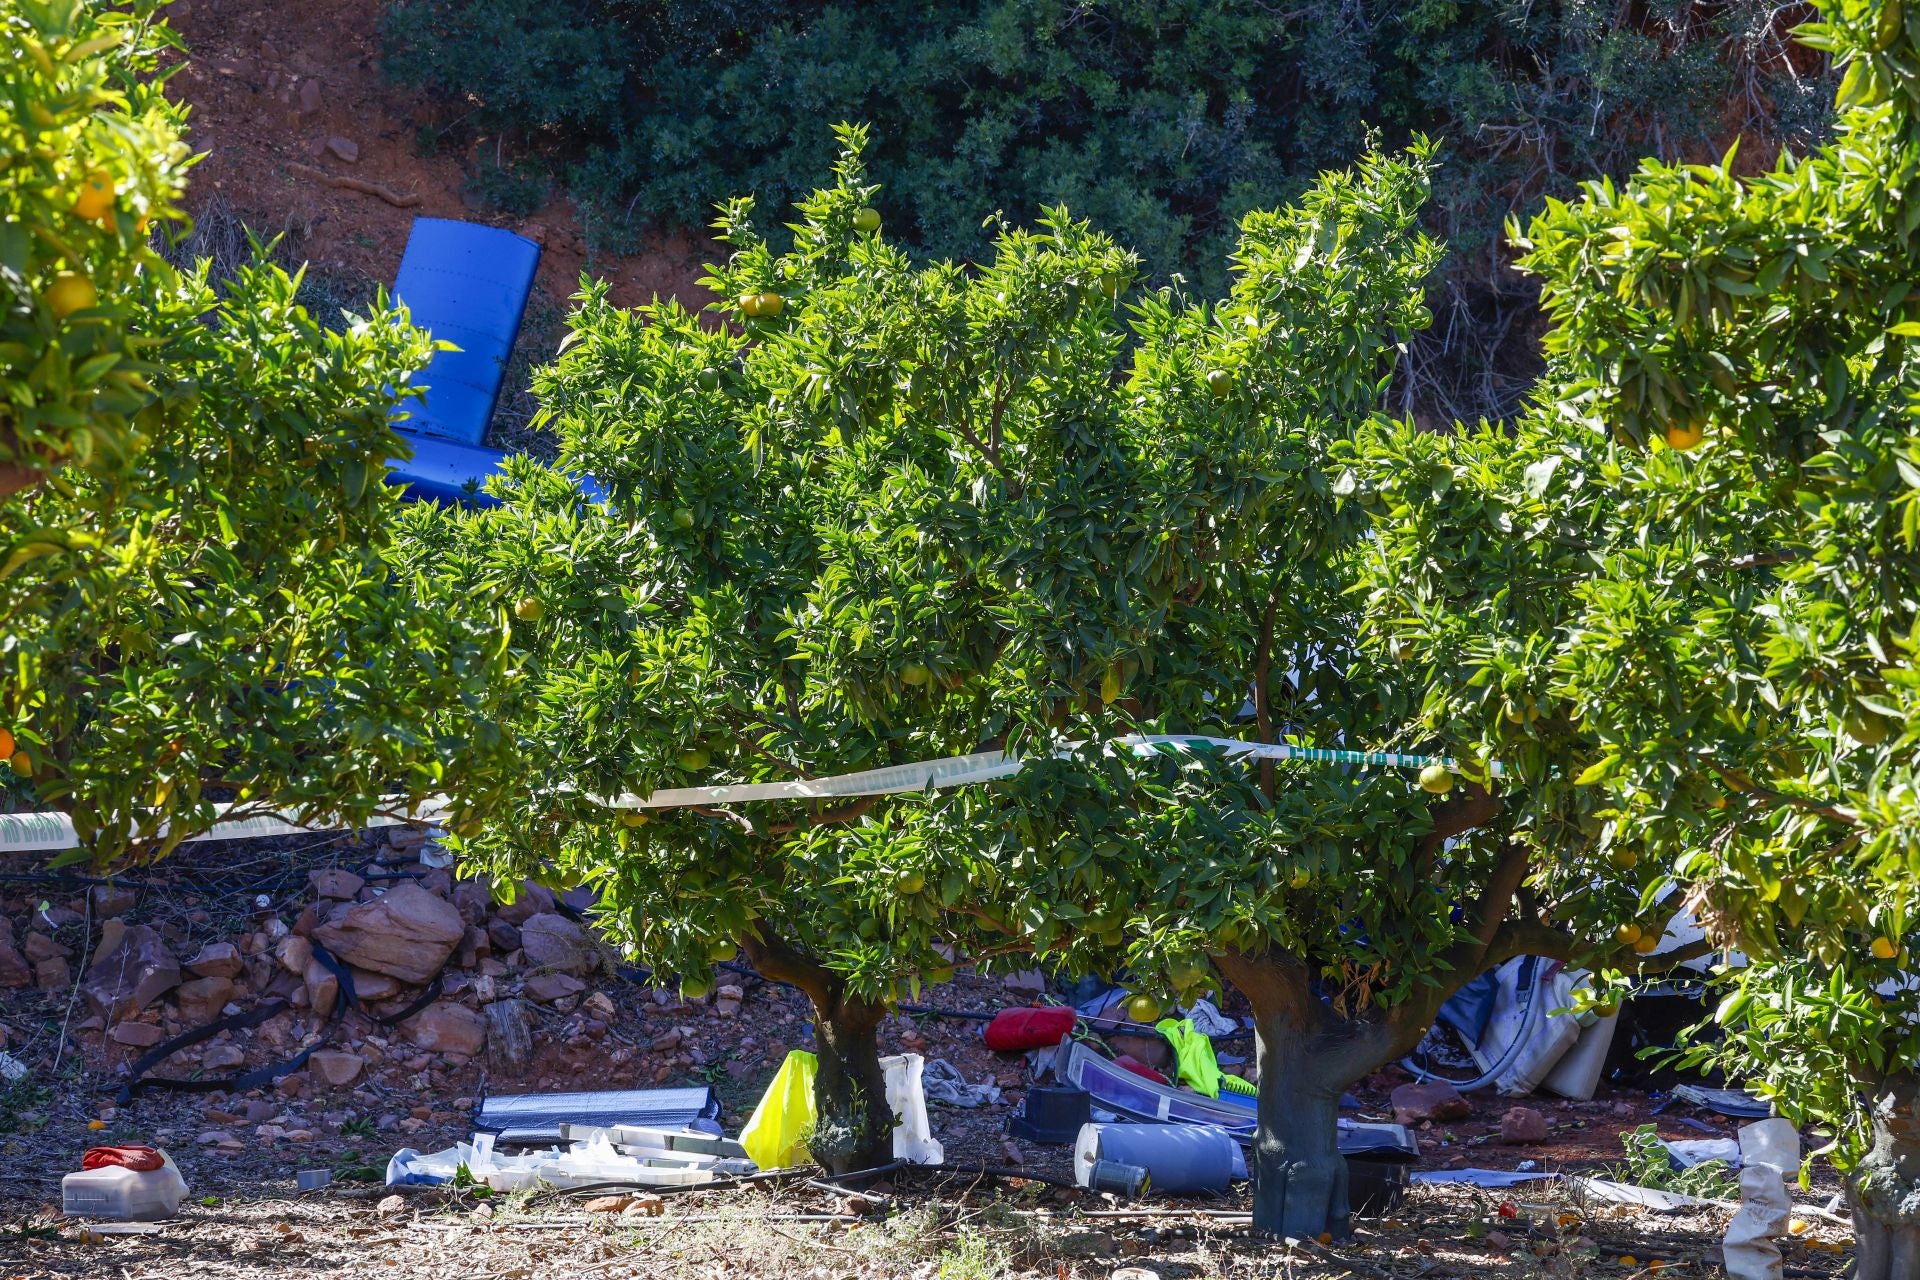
(114, 1193)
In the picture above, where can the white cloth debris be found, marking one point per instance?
(1768, 1150)
(1208, 1020)
(943, 1082)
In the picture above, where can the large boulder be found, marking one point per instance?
(551, 941)
(125, 980)
(406, 933)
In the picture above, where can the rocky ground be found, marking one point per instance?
(92, 975)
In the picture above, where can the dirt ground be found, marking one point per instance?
(240, 1153)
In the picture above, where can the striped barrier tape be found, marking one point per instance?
(52, 832)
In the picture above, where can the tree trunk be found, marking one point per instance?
(853, 1125)
(1885, 1189)
(1299, 1175)
(1308, 1057)
(853, 1128)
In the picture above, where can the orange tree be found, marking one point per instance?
(195, 597)
(1699, 560)
(858, 524)
(1347, 903)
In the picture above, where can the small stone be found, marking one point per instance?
(216, 960)
(1498, 1240)
(41, 947)
(14, 969)
(337, 1067)
(214, 1138)
(607, 1204)
(336, 884)
(201, 1000)
(1523, 1124)
(390, 1206)
(1429, 1100)
(551, 941)
(323, 988)
(599, 1004)
(345, 148)
(726, 1001)
(445, 1027)
(406, 933)
(644, 1207)
(1012, 1151)
(550, 988)
(294, 953)
(137, 1035)
(219, 1057)
(504, 936)
(669, 1039)
(53, 974)
(113, 900)
(309, 96)
(1027, 981)
(529, 901)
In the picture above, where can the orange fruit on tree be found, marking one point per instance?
(70, 292)
(750, 303)
(22, 764)
(771, 304)
(6, 743)
(1647, 944)
(1627, 934)
(1683, 437)
(1885, 948)
(95, 201)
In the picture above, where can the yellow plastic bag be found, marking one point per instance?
(775, 1136)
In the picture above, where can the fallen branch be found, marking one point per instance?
(361, 185)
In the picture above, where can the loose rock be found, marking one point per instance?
(135, 974)
(445, 1027)
(336, 883)
(216, 960)
(551, 941)
(1429, 1100)
(337, 1066)
(406, 933)
(1523, 1124)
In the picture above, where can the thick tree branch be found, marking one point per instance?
(826, 817)
(14, 478)
(1475, 807)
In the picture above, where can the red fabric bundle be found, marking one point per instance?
(1139, 1068)
(138, 1159)
(1018, 1030)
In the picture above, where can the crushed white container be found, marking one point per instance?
(118, 1194)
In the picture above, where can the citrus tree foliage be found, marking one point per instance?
(1163, 122)
(196, 598)
(851, 527)
(90, 158)
(1701, 552)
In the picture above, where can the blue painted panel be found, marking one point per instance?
(439, 471)
(466, 284)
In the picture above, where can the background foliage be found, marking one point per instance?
(1163, 121)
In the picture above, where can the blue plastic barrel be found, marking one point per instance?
(466, 284)
(1180, 1159)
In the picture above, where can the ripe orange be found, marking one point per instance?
(96, 196)
(6, 743)
(1647, 944)
(69, 293)
(1683, 437)
(1885, 948)
(22, 764)
(1627, 934)
(1623, 859)
(750, 303)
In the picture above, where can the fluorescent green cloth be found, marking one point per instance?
(775, 1136)
(1193, 1053)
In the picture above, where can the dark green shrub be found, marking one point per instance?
(1161, 120)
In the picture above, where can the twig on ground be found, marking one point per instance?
(364, 187)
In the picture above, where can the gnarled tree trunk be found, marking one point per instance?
(853, 1124)
(1308, 1058)
(1885, 1189)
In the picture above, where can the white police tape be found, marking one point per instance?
(52, 832)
